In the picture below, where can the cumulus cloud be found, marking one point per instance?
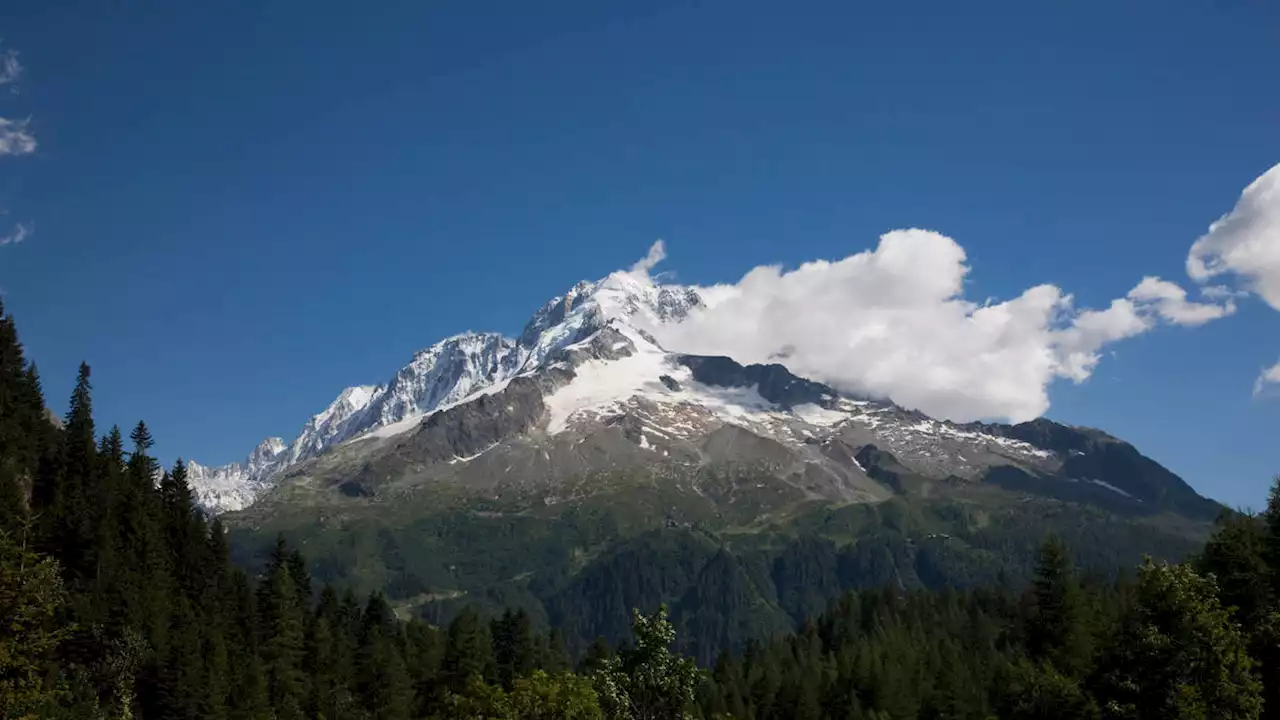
(15, 138)
(1244, 244)
(1170, 301)
(20, 232)
(894, 322)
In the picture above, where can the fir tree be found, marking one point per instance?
(1057, 631)
(469, 651)
(513, 645)
(282, 632)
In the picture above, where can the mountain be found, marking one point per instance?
(448, 373)
(587, 369)
(582, 469)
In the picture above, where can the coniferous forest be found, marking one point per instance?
(118, 600)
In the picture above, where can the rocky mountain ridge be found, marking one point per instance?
(586, 390)
(453, 370)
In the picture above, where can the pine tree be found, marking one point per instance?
(515, 652)
(469, 651)
(21, 411)
(77, 512)
(108, 592)
(282, 632)
(382, 680)
(554, 657)
(1057, 631)
(145, 566)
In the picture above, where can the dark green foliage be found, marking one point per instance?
(469, 651)
(1058, 631)
(1178, 654)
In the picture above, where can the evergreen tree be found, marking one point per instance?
(468, 651)
(513, 645)
(282, 632)
(382, 680)
(1058, 629)
(78, 505)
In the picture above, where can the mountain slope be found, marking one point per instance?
(543, 471)
(586, 389)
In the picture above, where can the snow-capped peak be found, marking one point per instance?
(445, 373)
(266, 452)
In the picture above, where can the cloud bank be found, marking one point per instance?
(894, 322)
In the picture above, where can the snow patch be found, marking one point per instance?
(1110, 487)
(469, 458)
(817, 415)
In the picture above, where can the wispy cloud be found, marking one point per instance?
(15, 138)
(1267, 379)
(15, 135)
(10, 68)
(657, 253)
(20, 232)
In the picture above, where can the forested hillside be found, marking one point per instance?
(118, 600)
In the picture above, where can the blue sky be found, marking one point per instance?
(241, 208)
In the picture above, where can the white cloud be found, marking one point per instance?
(894, 322)
(1170, 301)
(1268, 377)
(1245, 243)
(10, 68)
(1222, 292)
(15, 139)
(20, 232)
(657, 253)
